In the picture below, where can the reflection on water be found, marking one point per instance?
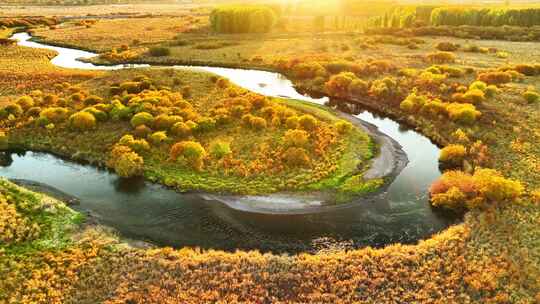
(142, 210)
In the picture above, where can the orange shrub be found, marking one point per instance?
(495, 77)
(338, 85)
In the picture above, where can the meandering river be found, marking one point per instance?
(143, 210)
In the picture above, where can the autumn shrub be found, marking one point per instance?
(33, 112)
(98, 114)
(142, 118)
(55, 114)
(384, 88)
(258, 123)
(296, 157)
(219, 149)
(413, 103)
(446, 46)
(526, 69)
(158, 137)
(206, 124)
(159, 51)
(433, 108)
(308, 70)
(120, 111)
(193, 152)
(358, 87)
(26, 102)
(451, 71)
(441, 57)
(165, 122)
(142, 131)
(82, 121)
(338, 85)
(453, 155)
(343, 126)
(268, 112)
(460, 136)
(292, 122)
(181, 129)
(4, 141)
(131, 87)
(474, 96)
(462, 113)
(76, 97)
(257, 101)
(308, 122)
(296, 138)
(137, 145)
(13, 109)
(459, 190)
(125, 162)
(92, 100)
(14, 225)
(491, 91)
(430, 78)
(531, 96)
(478, 85)
(495, 78)
(222, 83)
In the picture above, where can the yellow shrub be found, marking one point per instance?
(26, 102)
(82, 121)
(296, 138)
(343, 126)
(462, 113)
(459, 190)
(157, 138)
(308, 122)
(125, 162)
(14, 227)
(55, 114)
(192, 151)
(296, 157)
(453, 155)
(138, 145)
(292, 122)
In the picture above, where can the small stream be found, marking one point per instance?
(143, 210)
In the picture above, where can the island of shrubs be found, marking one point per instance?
(242, 136)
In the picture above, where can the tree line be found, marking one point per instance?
(405, 17)
(243, 19)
